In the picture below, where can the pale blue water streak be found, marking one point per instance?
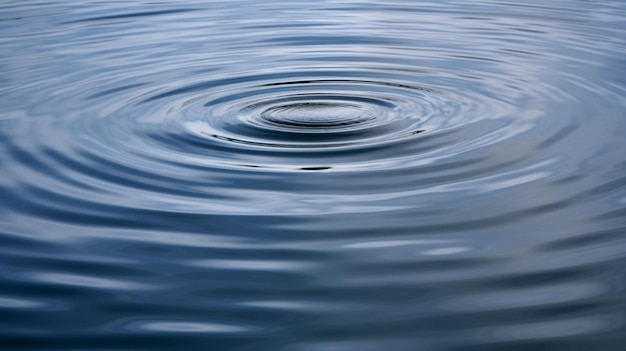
(331, 175)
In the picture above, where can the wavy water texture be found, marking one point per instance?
(297, 176)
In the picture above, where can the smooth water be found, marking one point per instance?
(313, 176)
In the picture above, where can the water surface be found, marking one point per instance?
(313, 176)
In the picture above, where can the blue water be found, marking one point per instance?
(313, 176)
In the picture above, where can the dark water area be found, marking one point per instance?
(313, 176)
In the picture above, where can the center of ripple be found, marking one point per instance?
(317, 115)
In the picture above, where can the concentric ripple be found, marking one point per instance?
(312, 176)
(307, 116)
(317, 116)
(299, 116)
(318, 119)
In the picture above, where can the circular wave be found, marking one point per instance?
(318, 119)
(272, 181)
(317, 116)
(303, 115)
